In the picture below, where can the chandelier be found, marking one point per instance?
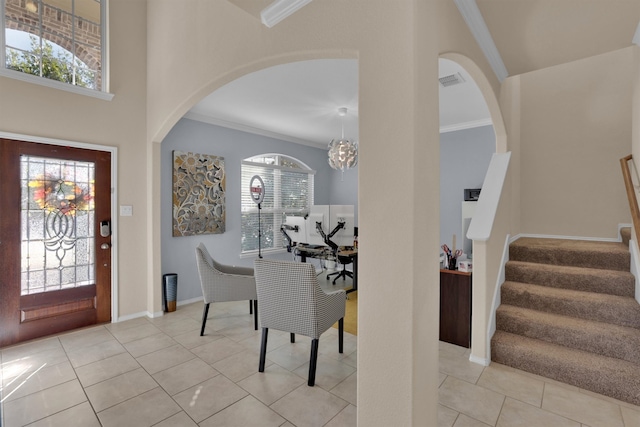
(343, 153)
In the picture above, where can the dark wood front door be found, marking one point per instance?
(55, 258)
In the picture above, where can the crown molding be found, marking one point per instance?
(466, 125)
(256, 131)
(279, 10)
(472, 16)
(250, 129)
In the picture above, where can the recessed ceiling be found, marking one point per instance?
(299, 101)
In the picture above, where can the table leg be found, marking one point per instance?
(355, 275)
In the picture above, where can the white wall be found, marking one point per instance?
(464, 159)
(178, 253)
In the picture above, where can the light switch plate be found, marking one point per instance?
(126, 210)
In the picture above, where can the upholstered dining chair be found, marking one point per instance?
(224, 283)
(291, 300)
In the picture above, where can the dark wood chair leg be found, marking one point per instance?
(204, 318)
(250, 306)
(255, 314)
(313, 362)
(340, 335)
(293, 337)
(263, 349)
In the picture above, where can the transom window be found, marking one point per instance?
(58, 40)
(288, 187)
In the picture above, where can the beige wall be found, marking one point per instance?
(455, 38)
(635, 149)
(213, 42)
(510, 106)
(396, 44)
(636, 104)
(575, 126)
(29, 109)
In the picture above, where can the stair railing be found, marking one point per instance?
(631, 194)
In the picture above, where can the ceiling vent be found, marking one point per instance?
(451, 80)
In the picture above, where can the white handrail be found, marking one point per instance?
(485, 213)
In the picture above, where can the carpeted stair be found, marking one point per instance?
(568, 313)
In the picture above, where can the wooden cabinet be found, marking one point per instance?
(455, 307)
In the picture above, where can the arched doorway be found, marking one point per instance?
(290, 109)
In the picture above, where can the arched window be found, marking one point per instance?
(288, 190)
(59, 40)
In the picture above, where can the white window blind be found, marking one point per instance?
(288, 190)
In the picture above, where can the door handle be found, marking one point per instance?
(104, 246)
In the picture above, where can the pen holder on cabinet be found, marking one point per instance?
(452, 263)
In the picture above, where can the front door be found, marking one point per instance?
(55, 244)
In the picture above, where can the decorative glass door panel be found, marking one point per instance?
(58, 223)
(56, 263)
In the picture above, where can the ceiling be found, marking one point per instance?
(299, 102)
(535, 34)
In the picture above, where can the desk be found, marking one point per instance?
(324, 252)
(455, 307)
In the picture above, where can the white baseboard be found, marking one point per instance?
(130, 316)
(190, 301)
(554, 236)
(479, 360)
(154, 315)
(635, 265)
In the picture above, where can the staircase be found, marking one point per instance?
(568, 313)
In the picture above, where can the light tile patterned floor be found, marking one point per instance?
(160, 372)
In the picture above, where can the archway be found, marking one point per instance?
(467, 149)
(240, 120)
(489, 96)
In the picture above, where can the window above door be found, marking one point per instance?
(56, 43)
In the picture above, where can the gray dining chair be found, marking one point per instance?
(291, 300)
(224, 283)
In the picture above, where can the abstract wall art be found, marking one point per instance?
(198, 194)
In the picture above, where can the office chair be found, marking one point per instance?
(344, 260)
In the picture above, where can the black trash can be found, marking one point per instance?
(169, 291)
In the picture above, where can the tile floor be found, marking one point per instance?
(160, 372)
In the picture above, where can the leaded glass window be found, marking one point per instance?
(57, 224)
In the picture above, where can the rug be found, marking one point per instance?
(351, 314)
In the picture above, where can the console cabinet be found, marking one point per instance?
(455, 307)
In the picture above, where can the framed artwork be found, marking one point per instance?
(198, 194)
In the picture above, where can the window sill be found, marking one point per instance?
(54, 84)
